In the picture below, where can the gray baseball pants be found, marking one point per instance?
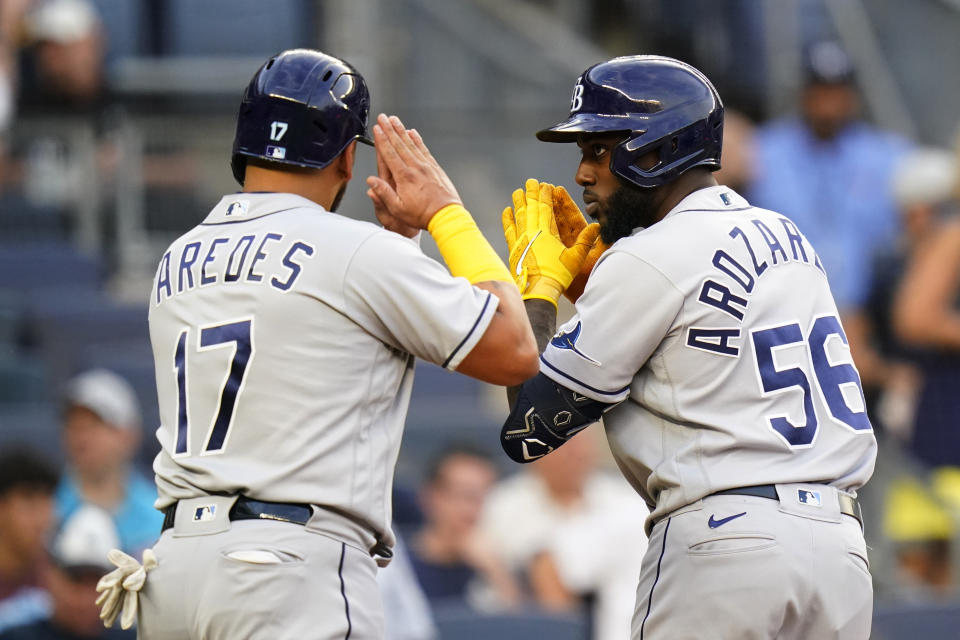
(258, 579)
(787, 569)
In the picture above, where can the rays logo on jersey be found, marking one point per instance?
(568, 340)
(811, 498)
(205, 513)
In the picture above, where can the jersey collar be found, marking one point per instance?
(718, 198)
(242, 206)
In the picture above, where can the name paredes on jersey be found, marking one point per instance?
(754, 249)
(249, 258)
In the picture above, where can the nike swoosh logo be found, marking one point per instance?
(713, 524)
(524, 254)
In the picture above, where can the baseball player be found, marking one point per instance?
(284, 338)
(708, 339)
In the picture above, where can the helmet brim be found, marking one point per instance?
(572, 127)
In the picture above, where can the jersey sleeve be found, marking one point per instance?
(410, 301)
(625, 311)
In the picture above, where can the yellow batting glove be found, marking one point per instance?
(516, 240)
(541, 264)
(571, 225)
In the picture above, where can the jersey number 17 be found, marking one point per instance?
(240, 335)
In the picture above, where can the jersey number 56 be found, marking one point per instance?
(831, 379)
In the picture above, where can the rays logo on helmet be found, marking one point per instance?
(568, 340)
(577, 100)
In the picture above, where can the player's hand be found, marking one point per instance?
(420, 185)
(541, 264)
(570, 224)
(387, 219)
(120, 589)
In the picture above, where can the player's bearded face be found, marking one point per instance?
(626, 209)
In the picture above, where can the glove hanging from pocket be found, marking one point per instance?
(119, 590)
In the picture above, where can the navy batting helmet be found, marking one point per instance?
(659, 103)
(302, 107)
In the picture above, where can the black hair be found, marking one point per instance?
(27, 470)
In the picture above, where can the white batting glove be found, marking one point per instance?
(120, 588)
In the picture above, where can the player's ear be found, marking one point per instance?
(345, 161)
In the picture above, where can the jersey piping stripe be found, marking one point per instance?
(585, 386)
(663, 548)
(343, 590)
(747, 208)
(251, 219)
(469, 333)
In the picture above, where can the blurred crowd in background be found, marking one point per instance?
(116, 119)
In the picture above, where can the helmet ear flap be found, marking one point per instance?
(632, 151)
(677, 151)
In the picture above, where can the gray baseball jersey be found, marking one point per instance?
(716, 332)
(284, 338)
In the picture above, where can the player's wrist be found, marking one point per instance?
(545, 298)
(544, 289)
(466, 251)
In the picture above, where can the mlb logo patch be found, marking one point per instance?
(726, 199)
(205, 513)
(811, 498)
(276, 152)
(238, 208)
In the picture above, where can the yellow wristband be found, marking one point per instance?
(465, 250)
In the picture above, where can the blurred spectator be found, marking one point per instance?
(407, 613)
(830, 173)
(61, 145)
(67, 56)
(926, 315)
(101, 436)
(921, 515)
(27, 482)
(78, 558)
(77, 156)
(450, 560)
(922, 185)
(576, 531)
